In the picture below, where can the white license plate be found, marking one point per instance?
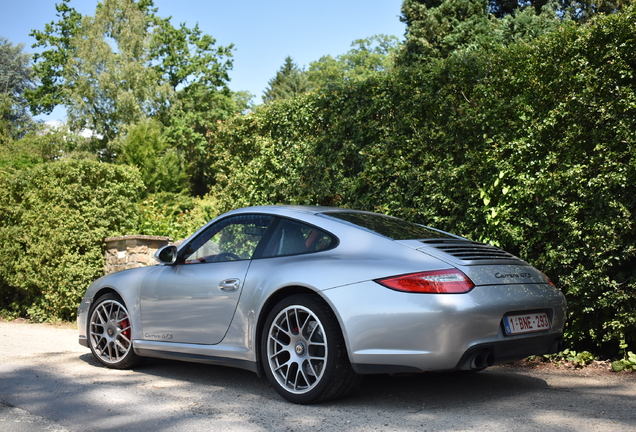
(516, 324)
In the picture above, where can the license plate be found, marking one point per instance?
(534, 322)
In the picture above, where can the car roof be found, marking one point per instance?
(291, 209)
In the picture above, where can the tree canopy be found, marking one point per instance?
(289, 81)
(125, 65)
(435, 29)
(121, 65)
(366, 57)
(16, 77)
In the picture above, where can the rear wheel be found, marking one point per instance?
(303, 351)
(110, 333)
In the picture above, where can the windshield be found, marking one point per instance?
(388, 226)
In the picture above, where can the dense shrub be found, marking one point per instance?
(530, 147)
(53, 219)
(567, 151)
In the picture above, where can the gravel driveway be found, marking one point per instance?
(48, 382)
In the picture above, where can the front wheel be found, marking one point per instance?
(303, 351)
(110, 333)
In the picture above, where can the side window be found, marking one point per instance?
(231, 239)
(295, 238)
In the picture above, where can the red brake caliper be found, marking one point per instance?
(125, 324)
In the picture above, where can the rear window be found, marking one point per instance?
(388, 226)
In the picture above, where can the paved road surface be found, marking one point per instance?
(48, 382)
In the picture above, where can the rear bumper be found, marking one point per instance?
(489, 354)
(482, 355)
(391, 332)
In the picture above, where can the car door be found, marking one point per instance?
(194, 300)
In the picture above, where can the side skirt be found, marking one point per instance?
(211, 354)
(198, 358)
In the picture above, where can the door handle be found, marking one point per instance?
(229, 285)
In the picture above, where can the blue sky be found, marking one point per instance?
(263, 32)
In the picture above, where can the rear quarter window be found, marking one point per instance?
(296, 238)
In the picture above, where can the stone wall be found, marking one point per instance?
(131, 251)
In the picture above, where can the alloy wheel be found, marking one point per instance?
(297, 349)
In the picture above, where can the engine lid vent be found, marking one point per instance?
(469, 252)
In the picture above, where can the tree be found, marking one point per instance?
(15, 78)
(367, 57)
(197, 71)
(161, 167)
(435, 29)
(49, 65)
(121, 65)
(106, 80)
(289, 81)
(186, 56)
(126, 64)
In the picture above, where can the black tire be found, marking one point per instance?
(110, 333)
(303, 352)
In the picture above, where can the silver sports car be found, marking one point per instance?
(315, 297)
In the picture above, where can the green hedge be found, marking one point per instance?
(53, 219)
(529, 147)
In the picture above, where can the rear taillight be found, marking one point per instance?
(432, 282)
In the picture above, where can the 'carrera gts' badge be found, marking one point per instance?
(165, 336)
(513, 275)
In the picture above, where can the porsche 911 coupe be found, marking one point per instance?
(315, 297)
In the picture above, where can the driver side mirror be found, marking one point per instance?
(167, 254)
